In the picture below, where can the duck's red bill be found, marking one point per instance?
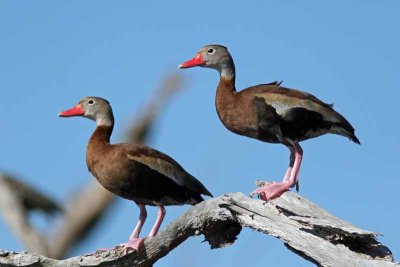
(75, 111)
(196, 61)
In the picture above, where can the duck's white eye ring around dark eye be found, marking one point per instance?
(210, 51)
(90, 102)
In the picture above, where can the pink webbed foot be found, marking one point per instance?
(133, 244)
(271, 190)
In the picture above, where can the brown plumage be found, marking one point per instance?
(270, 113)
(134, 172)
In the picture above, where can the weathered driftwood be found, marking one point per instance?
(305, 229)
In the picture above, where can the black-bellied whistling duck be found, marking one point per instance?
(134, 172)
(270, 113)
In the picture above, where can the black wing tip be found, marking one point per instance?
(352, 136)
(199, 198)
(207, 193)
(348, 131)
(204, 191)
(355, 140)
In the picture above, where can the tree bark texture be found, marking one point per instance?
(305, 229)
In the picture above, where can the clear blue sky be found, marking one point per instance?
(52, 53)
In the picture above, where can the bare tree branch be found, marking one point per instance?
(305, 229)
(82, 213)
(30, 198)
(14, 196)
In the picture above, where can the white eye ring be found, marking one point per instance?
(90, 102)
(210, 51)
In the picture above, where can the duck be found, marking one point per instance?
(270, 113)
(134, 172)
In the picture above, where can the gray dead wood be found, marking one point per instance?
(305, 229)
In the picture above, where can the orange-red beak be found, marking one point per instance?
(196, 61)
(75, 111)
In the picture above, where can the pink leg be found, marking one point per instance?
(275, 189)
(139, 225)
(290, 168)
(134, 241)
(296, 167)
(160, 217)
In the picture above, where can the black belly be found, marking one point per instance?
(300, 124)
(296, 124)
(149, 187)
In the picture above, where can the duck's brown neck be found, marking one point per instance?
(101, 136)
(226, 86)
(97, 147)
(225, 100)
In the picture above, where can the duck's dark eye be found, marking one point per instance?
(90, 102)
(210, 51)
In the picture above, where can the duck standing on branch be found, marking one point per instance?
(270, 113)
(134, 172)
